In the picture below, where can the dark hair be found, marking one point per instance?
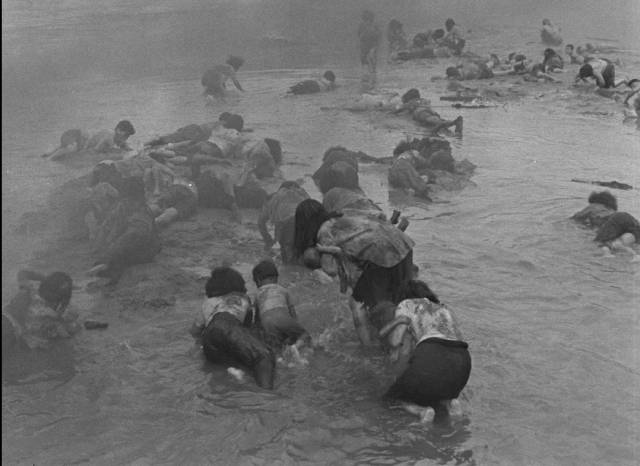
(231, 121)
(55, 289)
(410, 95)
(126, 127)
(438, 33)
(548, 53)
(605, 198)
(519, 57)
(449, 23)
(106, 173)
(329, 76)
(224, 280)
(309, 217)
(265, 269)
(275, 149)
(586, 70)
(289, 185)
(417, 289)
(402, 147)
(340, 174)
(340, 154)
(453, 72)
(235, 62)
(132, 187)
(570, 46)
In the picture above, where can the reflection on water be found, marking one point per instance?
(551, 325)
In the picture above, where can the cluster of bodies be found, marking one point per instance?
(346, 236)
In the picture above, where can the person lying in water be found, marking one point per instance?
(602, 71)
(552, 61)
(620, 231)
(223, 327)
(75, 140)
(35, 319)
(215, 80)
(602, 205)
(575, 58)
(425, 45)
(275, 312)
(421, 112)
(313, 86)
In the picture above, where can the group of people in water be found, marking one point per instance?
(346, 235)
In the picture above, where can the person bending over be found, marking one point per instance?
(215, 79)
(602, 71)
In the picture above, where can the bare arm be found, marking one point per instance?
(599, 78)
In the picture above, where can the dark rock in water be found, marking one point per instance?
(95, 325)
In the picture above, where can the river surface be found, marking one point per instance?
(552, 325)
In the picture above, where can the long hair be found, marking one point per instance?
(224, 280)
(309, 217)
(55, 289)
(605, 198)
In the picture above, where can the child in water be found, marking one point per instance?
(275, 311)
(223, 327)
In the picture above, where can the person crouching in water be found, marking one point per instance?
(421, 112)
(602, 70)
(223, 327)
(276, 312)
(313, 86)
(36, 319)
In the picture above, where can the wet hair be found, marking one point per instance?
(453, 72)
(275, 149)
(235, 62)
(449, 23)
(368, 15)
(417, 289)
(126, 127)
(438, 34)
(55, 289)
(549, 53)
(224, 280)
(309, 217)
(410, 95)
(329, 76)
(265, 269)
(132, 187)
(605, 198)
(231, 121)
(586, 71)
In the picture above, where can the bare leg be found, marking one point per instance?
(360, 321)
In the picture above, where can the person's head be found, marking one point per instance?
(55, 290)
(568, 49)
(275, 149)
(224, 280)
(122, 131)
(340, 154)
(311, 259)
(340, 174)
(519, 58)
(231, 121)
(289, 185)
(449, 23)
(265, 272)
(438, 34)
(309, 217)
(546, 22)
(329, 76)
(548, 53)
(580, 50)
(605, 198)
(586, 71)
(235, 62)
(368, 16)
(410, 95)
(402, 147)
(453, 72)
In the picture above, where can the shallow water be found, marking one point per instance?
(552, 325)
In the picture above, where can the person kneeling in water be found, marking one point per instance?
(223, 327)
(276, 313)
(439, 364)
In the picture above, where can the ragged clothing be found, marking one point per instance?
(278, 315)
(235, 304)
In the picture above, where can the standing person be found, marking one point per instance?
(369, 35)
(215, 79)
(395, 36)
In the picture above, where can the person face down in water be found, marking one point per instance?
(602, 71)
(311, 86)
(36, 319)
(224, 327)
(371, 257)
(435, 363)
(422, 113)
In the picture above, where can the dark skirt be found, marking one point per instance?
(226, 340)
(438, 370)
(377, 284)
